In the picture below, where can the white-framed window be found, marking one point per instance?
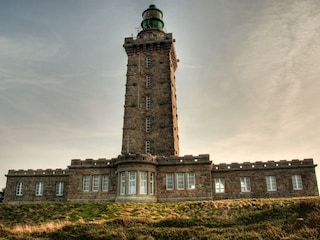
(191, 180)
(122, 183)
(148, 61)
(147, 145)
(143, 182)
(105, 183)
(95, 183)
(148, 102)
(151, 183)
(271, 183)
(297, 182)
(86, 183)
(180, 181)
(132, 182)
(245, 184)
(19, 189)
(219, 185)
(148, 125)
(39, 188)
(59, 188)
(169, 181)
(148, 81)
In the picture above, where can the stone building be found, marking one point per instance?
(149, 168)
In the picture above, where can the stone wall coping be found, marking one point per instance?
(38, 172)
(186, 159)
(100, 162)
(264, 165)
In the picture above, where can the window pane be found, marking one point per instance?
(132, 183)
(95, 183)
(147, 146)
(180, 181)
(148, 81)
(148, 61)
(271, 183)
(86, 183)
(191, 181)
(148, 102)
(245, 184)
(59, 188)
(19, 189)
(105, 183)
(219, 185)
(148, 125)
(122, 183)
(39, 189)
(297, 182)
(151, 183)
(143, 182)
(169, 181)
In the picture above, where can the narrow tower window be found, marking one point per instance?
(19, 189)
(148, 62)
(148, 81)
(147, 144)
(148, 102)
(148, 125)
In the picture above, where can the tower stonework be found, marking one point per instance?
(150, 112)
(149, 168)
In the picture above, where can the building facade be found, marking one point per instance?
(149, 168)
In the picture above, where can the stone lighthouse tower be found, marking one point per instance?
(150, 123)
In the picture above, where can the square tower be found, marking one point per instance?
(150, 112)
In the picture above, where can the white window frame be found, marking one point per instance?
(191, 180)
(132, 182)
(271, 183)
(19, 189)
(143, 182)
(180, 181)
(86, 183)
(105, 183)
(148, 81)
(148, 125)
(297, 182)
(95, 183)
(148, 146)
(151, 183)
(169, 181)
(245, 184)
(148, 62)
(122, 183)
(39, 189)
(219, 185)
(59, 188)
(148, 102)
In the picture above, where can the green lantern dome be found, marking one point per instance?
(152, 18)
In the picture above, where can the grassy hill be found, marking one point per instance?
(225, 219)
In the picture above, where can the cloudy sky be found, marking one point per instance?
(247, 83)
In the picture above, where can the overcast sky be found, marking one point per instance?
(248, 84)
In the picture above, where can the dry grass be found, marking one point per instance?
(295, 218)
